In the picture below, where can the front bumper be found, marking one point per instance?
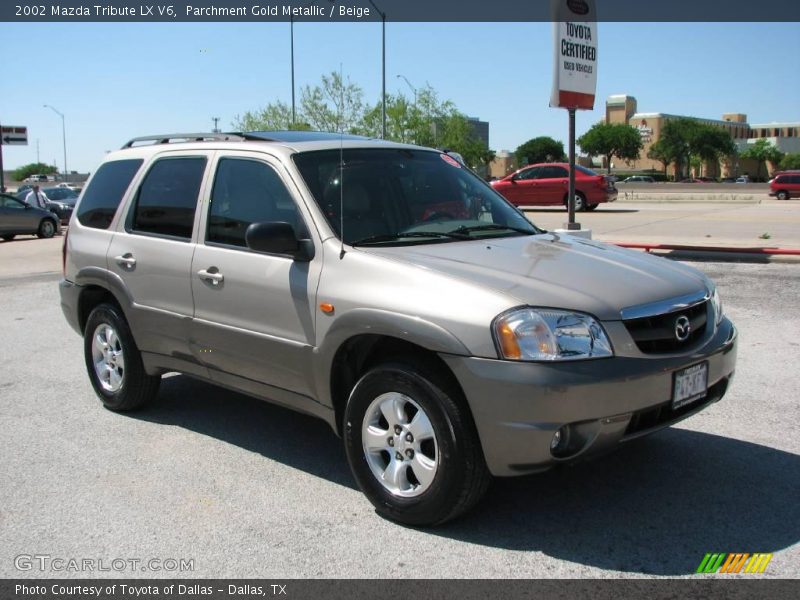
(518, 407)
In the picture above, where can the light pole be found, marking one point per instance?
(413, 89)
(291, 41)
(383, 64)
(64, 135)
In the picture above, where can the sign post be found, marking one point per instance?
(10, 136)
(574, 72)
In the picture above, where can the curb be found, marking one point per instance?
(675, 198)
(718, 253)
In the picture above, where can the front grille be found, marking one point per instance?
(664, 414)
(656, 335)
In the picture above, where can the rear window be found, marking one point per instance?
(586, 171)
(104, 193)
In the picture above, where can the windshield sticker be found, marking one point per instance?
(450, 160)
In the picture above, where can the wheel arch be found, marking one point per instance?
(349, 352)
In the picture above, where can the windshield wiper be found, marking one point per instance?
(492, 227)
(390, 237)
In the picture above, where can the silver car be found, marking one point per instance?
(388, 290)
(19, 218)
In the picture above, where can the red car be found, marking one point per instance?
(547, 184)
(785, 185)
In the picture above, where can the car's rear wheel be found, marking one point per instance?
(783, 195)
(412, 445)
(47, 228)
(580, 202)
(114, 363)
(9, 237)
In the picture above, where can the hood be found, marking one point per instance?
(557, 271)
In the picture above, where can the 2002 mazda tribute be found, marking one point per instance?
(389, 291)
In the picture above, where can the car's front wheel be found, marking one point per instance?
(47, 228)
(9, 237)
(114, 363)
(412, 445)
(783, 195)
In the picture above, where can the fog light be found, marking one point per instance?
(556, 440)
(559, 445)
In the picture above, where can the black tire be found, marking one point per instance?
(783, 195)
(580, 202)
(461, 475)
(9, 237)
(591, 206)
(47, 228)
(137, 387)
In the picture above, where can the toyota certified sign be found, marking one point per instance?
(575, 53)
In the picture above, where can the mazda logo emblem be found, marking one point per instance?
(683, 328)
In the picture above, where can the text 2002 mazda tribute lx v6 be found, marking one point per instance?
(389, 291)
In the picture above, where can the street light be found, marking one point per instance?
(64, 135)
(383, 64)
(413, 89)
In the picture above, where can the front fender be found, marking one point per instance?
(370, 321)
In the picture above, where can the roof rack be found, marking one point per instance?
(174, 138)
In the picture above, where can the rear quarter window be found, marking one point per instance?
(102, 196)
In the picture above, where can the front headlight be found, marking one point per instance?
(716, 303)
(547, 334)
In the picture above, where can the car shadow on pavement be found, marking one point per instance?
(283, 435)
(655, 507)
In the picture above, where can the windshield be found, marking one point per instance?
(403, 196)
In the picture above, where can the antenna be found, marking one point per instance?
(341, 162)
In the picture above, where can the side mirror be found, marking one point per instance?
(278, 238)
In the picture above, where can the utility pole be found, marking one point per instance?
(37, 150)
(216, 123)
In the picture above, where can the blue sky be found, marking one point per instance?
(117, 81)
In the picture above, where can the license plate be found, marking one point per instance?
(690, 384)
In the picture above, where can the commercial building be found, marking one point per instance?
(624, 109)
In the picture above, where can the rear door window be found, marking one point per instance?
(105, 192)
(167, 199)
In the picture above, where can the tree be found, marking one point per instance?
(790, 161)
(26, 171)
(662, 152)
(612, 139)
(273, 117)
(337, 105)
(540, 149)
(687, 141)
(763, 151)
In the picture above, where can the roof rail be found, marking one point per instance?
(173, 138)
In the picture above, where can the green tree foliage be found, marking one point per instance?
(26, 171)
(662, 152)
(687, 141)
(540, 149)
(337, 105)
(790, 160)
(762, 151)
(612, 140)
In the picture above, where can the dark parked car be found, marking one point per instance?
(546, 184)
(61, 202)
(18, 218)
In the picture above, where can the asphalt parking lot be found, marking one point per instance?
(247, 489)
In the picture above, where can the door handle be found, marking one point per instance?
(126, 260)
(215, 277)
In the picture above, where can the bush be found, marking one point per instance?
(32, 169)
